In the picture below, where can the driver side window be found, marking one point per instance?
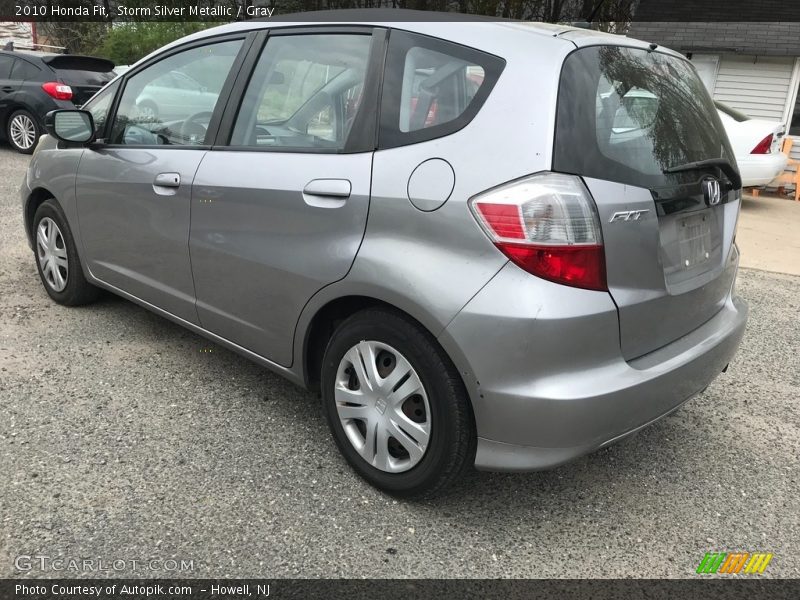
(154, 110)
(305, 92)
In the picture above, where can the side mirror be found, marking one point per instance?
(71, 126)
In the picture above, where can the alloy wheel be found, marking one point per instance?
(23, 131)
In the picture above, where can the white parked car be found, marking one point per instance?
(756, 144)
(168, 97)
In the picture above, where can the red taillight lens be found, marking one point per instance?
(503, 219)
(56, 90)
(578, 266)
(546, 224)
(764, 146)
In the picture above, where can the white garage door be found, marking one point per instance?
(757, 86)
(707, 66)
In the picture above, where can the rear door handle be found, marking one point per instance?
(172, 180)
(8, 89)
(327, 193)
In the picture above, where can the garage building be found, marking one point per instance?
(752, 67)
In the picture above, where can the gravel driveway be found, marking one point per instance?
(125, 437)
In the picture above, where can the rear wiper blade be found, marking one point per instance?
(722, 163)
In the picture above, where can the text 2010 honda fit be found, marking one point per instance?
(487, 243)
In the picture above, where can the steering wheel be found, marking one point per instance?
(192, 131)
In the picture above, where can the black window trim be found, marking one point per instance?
(100, 134)
(390, 135)
(363, 134)
(247, 38)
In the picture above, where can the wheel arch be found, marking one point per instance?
(35, 199)
(325, 319)
(13, 106)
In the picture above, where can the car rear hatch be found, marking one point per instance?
(84, 74)
(642, 131)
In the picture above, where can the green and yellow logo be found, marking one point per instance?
(734, 562)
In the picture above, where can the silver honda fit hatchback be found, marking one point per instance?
(484, 243)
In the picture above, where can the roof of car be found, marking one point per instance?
(388, 17)
(28, 53)
(455, 27)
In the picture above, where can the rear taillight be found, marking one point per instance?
(56, 90)
(764, 146)
(546, 224)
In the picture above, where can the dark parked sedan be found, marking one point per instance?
(34, 83)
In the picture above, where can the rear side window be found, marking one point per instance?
(6, 62)
(23, 70)
(432, 88)
(626, 114)
(305, 93)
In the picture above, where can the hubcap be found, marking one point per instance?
(23, 131)
(52, 253)
(382, 406)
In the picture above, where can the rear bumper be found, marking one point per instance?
(549, 384)
(760, 169)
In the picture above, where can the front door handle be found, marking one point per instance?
(8, 89)
(327, 193)
(172, 180)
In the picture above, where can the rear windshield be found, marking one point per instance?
(93, 78)
(626, 114)
(82, 70)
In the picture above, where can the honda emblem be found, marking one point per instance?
(712, 191)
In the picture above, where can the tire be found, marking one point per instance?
(432, 397)
(64, 282)
(23, 131)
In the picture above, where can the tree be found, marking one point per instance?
(126, 43)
